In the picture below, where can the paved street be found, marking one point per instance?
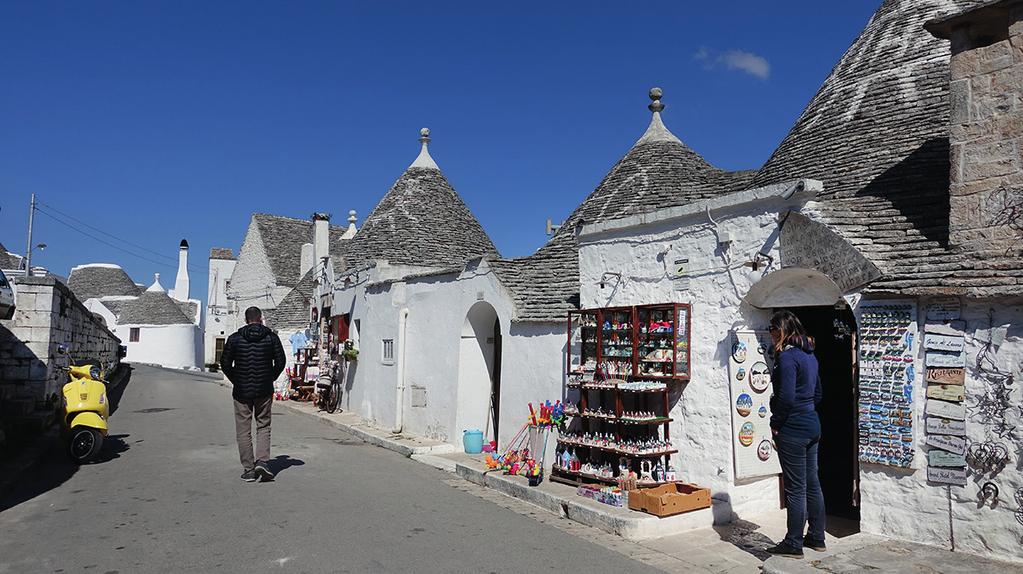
(167, 498)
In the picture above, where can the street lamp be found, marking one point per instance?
(28, 258)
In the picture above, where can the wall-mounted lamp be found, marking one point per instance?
(604, 277)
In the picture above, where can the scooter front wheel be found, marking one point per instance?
(85, 444)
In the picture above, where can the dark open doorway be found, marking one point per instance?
(834, 332)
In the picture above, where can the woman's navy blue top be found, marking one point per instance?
(797, 391)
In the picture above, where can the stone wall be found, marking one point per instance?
(47, 315)
(901, 503)
(986, 132)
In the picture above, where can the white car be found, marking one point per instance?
(6, 298)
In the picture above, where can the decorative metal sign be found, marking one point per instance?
(954, 476)
(956, 393)
(952, 444)
(947, 343)
(941, 458)
(946, 375)
(940, 359)
(946, 426)
(946, 410)
(944, 309)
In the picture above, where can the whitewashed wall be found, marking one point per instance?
(252, 280)
(532, 354)
(218, 321)
(173, 346)
(717, 282)
(902, 504)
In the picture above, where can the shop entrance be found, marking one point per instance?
(834, 331)
(479, 371)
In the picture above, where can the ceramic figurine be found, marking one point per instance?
(644, 471)
(669, 475)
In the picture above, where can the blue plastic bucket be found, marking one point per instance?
(472, 440)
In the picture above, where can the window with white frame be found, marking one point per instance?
(387, 352)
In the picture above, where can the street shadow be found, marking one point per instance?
(121, 381)
(53, 470)
(113, 446)
(743, 535)
(280, 463)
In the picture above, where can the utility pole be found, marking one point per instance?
(28, 249)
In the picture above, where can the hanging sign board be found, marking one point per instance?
(946, 426)
(944, 459)
(952, 444)
(946, 375)
(749, 374)
(954, 393)
(943, 309)
(948, 343)
(681, 278)
(946, 410)
(947, 475)
(940, 359)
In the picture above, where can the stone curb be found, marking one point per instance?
(588, 512)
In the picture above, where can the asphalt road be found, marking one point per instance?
(166, 497)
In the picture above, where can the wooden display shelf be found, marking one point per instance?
(656, 421)
(565, 474)
(618, 451)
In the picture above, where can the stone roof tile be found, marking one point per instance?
(421, 221)
(876, 134)
(100, 280)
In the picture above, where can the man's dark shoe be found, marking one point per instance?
(263, 472)
(812, 544)
(785, 550)
(249, 475)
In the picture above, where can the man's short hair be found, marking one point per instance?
(253, 315)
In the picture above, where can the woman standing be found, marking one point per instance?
(797, 432)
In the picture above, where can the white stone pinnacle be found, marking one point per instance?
(156, 287)
(656, 132)
(424, 159)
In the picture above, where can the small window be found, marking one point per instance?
(133, 335)
(388, 352)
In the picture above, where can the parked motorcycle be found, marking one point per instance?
(84, 411)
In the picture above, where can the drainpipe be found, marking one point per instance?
(399, 405)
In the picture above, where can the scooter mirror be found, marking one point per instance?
(62, 349)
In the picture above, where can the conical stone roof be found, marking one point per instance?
(100, 280)
(658, 171)
(421, 221)
(876, 134)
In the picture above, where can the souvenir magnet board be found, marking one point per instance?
(749, 378)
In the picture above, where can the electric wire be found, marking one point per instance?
(63, 215)
(105, 242)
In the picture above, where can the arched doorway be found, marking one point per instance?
(479, 371)
(816, 299)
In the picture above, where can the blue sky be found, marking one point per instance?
(156, 121)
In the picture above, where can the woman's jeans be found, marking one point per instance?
(804, 500)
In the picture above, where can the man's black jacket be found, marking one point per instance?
(253, 358)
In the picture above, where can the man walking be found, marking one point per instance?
(253, 358)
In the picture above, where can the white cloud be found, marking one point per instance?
(741, 60)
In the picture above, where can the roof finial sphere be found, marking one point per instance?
(351, 216)
(655, 95)
(424, 135)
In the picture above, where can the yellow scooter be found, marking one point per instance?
(84, 412)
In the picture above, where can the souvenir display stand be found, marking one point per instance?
(621, 363)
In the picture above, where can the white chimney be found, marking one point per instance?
(306, 261)
(350, 232)
(321, 250)
(180, 291)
